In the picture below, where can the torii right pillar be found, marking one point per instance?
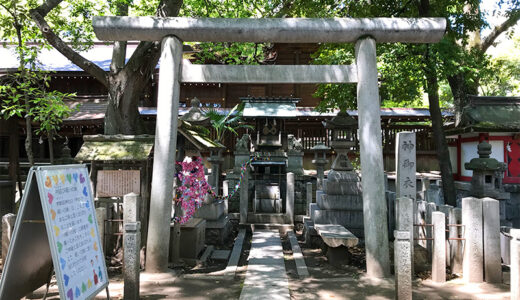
(371, 154)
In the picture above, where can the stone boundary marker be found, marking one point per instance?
(301, 267)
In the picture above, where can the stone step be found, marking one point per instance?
(282, 228)
(271, 218)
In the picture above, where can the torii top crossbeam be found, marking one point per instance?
(286, 30)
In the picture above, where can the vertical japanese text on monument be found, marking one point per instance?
(406, 165)
(117, 183)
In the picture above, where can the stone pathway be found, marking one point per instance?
(266, 277)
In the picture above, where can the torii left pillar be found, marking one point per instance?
(157, 245)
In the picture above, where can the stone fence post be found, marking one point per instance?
(8, 221)
(403, 265)
(473, 268)
(492, 257)
(101, 216)
(439, 247)
(515, 264)
(308, 197)
(430, 208)
(131, 262)
(289, 208)
(455, 217)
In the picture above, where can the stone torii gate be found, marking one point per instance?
(364, 32)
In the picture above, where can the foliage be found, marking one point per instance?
(230, 122)
(502, 78)
(48, 108)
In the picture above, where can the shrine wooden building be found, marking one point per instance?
(306, 123)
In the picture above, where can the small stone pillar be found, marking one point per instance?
(402, 265)
(430, 208)
(473, 269)
(225, 194)
(492, 257)
(439, 247)
(455, 217)
(131, 264)
(420, 218)
(515, 264)
(131, 208)
(101, 216)
(8, 221)
(244, 198)
(215, 160)
(404, 219)
(289, 208)
(308, 197)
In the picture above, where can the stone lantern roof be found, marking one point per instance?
(320, 147)
(341, 121)
(195, 116)
(484, 162)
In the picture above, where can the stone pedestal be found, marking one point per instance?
(192, 238)
(341, 202)
(217, 222)
(295, 162)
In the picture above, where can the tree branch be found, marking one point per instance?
(38, 16)
(498, 30)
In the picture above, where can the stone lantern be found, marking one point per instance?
(320, 160)
(342, 139)
(487, 174)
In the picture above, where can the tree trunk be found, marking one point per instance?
(51, 148)
(28, 129)
(460, 90)
(443, 155)
(122, 116)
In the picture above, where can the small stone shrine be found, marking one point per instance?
(218, 227)
(487, 177)
(276, 153)
(340, 202)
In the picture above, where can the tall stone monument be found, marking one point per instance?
(341, 202)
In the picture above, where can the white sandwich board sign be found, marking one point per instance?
(55, 227)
